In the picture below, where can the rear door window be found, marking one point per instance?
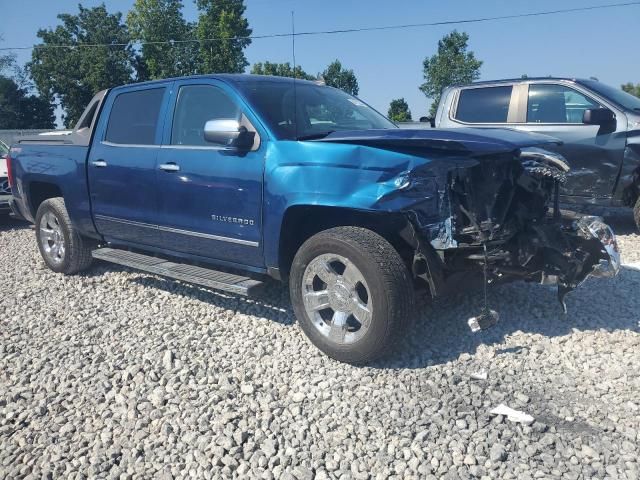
(484, 105)
(550, 103)
(134, 117)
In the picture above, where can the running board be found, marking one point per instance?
(180, 271)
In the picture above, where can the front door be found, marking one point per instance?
(210, 196)
(122, 165)
(594, 153)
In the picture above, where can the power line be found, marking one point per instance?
(341, 31)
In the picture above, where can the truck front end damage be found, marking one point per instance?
(481, 206)
(500, 221)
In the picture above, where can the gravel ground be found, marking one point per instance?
(118, 374)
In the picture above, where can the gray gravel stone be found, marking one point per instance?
(119, 374)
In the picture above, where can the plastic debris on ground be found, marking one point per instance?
(480, 375)
(512, 415)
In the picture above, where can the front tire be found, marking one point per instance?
(351, 292)
(62, 247)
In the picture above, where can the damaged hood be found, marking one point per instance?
(460, 140)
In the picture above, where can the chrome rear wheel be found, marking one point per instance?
(52, 238)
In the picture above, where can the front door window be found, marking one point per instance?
(557, 104)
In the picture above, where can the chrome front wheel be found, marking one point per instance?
(337, 298)
(351, 293)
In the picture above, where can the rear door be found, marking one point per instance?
(122, 164)
(210, 197)
(594, 153)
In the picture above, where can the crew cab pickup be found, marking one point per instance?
(598, 125)
(226, 180)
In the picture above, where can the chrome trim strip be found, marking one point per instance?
(126, 145)
(195, 147)
(126, 222)
(238, 241)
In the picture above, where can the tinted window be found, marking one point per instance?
(87, 121)
(556, 104)
(484, 105)
(309, 110)
(616, 95)
(134, 117)
(197, 104)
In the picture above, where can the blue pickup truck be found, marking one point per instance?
(226, 180)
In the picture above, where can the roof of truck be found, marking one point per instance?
(229, 77)
(521, 79)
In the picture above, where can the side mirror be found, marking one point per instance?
(228, 133)
(598, 116)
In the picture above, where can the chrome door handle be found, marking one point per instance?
(169, 167)
(99, 163)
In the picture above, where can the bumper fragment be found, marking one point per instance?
(596, 228)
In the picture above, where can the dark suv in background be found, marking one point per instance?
(599, 126)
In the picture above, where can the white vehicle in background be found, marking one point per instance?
(5, 190)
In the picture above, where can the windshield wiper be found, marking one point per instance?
(315, 136)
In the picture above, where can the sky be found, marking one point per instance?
(388, 64)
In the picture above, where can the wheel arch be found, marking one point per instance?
(39, 191)
(301, 222)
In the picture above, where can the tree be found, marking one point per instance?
(71, 76)
(335, 76)
(452, 65)
(21, 110)
(222, 30)
(632, 89)
(162, 21)
(399, 111)
(6, 61)
(280, 70)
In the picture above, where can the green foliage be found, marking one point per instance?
(21, 110)
(222, 20)
(73, 75)
(7, 61)
(335, 76)
(162, 21)
(399, 111)
(632, 89)
(280, 70)
(452, 65)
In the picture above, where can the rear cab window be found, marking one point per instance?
(134, 117)
(484, 104)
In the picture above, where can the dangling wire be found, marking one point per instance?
(486, 276)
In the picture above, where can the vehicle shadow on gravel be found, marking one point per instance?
(271, 303)
(9, 224)
(440, 332)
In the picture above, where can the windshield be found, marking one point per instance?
(616, 95)
(4, 150)
(320, 109)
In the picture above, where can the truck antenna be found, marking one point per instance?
(295, 89)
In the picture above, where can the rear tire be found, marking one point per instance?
(636, 213)
(62, 247)
(351, 292)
